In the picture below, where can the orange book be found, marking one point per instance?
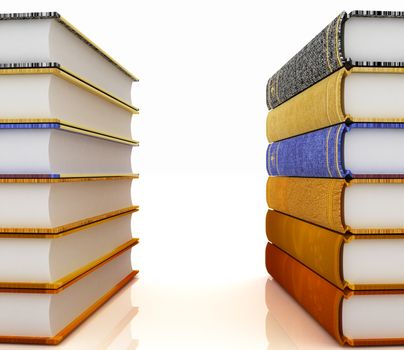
(356, 318)
(359, 206)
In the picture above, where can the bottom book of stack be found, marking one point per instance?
(357, 318)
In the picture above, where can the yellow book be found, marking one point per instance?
(359, 206)
(361, 94)
(356, 262)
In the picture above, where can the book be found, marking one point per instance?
(56, 205)
(360, 38)
(54, 150)
(53, 314)
(47, 94)
(356, 262)
(45, 39)
(356, 318)
(362, 94)
(49, 260)
(360, 206)
(341, 151)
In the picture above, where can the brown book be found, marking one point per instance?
(355, 318)
(356, 262)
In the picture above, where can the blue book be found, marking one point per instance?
(340, 151)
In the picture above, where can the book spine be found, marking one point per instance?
(315, 200)
(315, 154)
(315, 247)
(317, 296)
(318, 107)
(319, 58)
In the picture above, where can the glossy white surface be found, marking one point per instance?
(378, 316)
(363, 145)
(44, 151)
(373, 261)
(374, 205)
(374, 39)
(373, 96)
(56, 204)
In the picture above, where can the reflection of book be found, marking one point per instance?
(109, 327)
(289, 325)
(55, 150)
(41, 39)
(49, 94)
(276, 335)
(56, 205)
(48, 316)
(120, 338)
(355, 318)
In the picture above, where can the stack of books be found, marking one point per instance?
(336, 184)
(65, 177)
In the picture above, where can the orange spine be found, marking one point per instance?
(316, 247)
(316, 200)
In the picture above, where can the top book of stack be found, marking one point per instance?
(360, 38)
(47, 40)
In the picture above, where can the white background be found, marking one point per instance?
(203, 68)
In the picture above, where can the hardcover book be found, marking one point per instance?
(356, 318)
(56, 205)
(50, 260)
(45, 94)
(54, 150)
(360, 38)
(362, 94)
(356, 150)
(356, 262)
(359, 206)
(53, 314)
(45, 39)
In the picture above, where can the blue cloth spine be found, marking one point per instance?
(315, 154)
